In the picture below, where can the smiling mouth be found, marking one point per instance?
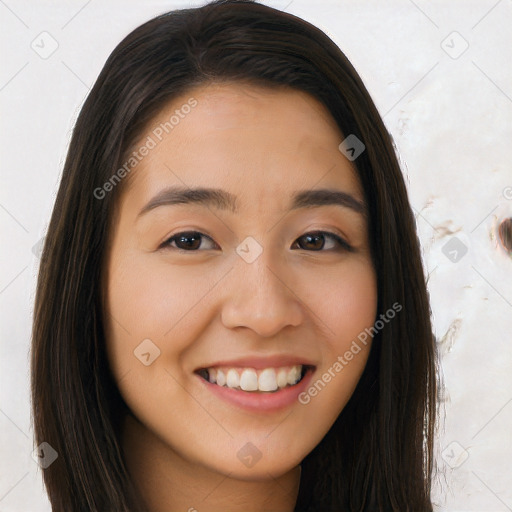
(267, 380)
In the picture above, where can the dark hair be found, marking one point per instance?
(378, 453)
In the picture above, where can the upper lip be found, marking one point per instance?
(258, 362)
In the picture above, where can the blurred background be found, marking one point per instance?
(440, 75)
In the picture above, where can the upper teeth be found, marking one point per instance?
(249, 379)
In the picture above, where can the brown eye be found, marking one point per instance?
(186, 241)
(316, 241)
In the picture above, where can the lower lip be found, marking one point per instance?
(261, 401)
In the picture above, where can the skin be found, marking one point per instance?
(180, 441)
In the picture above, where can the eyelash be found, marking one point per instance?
(344, 246)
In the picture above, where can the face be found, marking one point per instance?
(215, 299)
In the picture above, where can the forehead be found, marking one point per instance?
(250, 139)
(228, 105)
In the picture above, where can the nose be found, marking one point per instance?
(261, 296)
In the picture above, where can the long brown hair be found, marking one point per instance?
(378, 453)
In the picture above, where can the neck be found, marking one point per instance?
(166, 482)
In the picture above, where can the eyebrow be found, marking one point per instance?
(223, 200)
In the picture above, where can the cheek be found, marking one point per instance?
(146, 300)
(148, 295)
(154, 316)
(346, 302)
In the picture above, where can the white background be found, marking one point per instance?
(450, 114)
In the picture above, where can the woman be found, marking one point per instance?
(231, 311)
